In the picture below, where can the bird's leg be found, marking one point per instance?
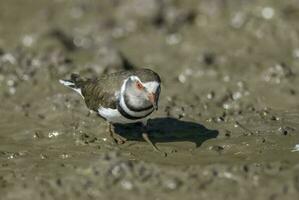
(147, 139)
(116, 138)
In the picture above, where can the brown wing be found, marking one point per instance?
(96, 95)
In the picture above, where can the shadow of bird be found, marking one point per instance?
(163, 130)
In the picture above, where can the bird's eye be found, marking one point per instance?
(139, 85)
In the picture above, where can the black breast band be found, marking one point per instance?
(128, 116)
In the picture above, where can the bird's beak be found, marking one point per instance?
(153, 99)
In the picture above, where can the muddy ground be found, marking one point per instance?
(228, 118)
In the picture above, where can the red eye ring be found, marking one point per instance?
(139, 85)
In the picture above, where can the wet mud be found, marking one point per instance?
(228, 118)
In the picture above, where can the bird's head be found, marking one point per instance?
(141, 95)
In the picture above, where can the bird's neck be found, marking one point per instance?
(130, 111)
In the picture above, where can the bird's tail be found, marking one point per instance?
(74, 83)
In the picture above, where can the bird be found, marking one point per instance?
(123, 97)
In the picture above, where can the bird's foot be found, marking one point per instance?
(118, 139)
(146, 138)
(115, 137)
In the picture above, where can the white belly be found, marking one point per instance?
(114, 116)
